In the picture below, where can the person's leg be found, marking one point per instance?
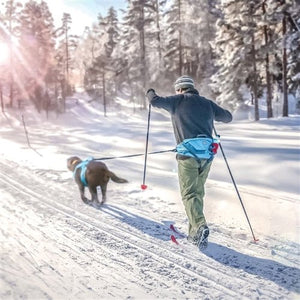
(192, 192)
(203, 231)
(203, 174)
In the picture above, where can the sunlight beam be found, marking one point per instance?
(4, 53)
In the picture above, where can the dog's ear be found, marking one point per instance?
(72, 162)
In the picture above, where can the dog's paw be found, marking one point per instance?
(86, 200)
(96, 204)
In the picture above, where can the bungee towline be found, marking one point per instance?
(134, 155)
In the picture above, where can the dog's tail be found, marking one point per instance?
(116, 179)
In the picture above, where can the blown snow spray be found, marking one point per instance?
(143, 185)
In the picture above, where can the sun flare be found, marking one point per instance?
(4, 53)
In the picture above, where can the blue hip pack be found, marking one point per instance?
(199, 148)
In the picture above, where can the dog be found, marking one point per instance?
(92, 173)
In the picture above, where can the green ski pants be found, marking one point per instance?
(192, 176)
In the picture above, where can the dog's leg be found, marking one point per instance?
(83, 198)
(103, 192)
(93, 191)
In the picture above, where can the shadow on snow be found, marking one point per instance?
(158, 230)
(282, 275)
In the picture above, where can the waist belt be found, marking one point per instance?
(201, 148)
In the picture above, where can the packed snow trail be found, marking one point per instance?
(61, 250)
(53, 246)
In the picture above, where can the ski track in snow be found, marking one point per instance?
(76, 247)
(53, 246)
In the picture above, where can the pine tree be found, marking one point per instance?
(134, 42)
(189, 32)
(154, 42)
(267, 45)
(37, 45)
(66, 20)
(102, 64)
(9, 20)
(156, 9)
(174, 33)
(236, 48)
(99, 44)
(294, 50)
(199, 33)
(292, 13)
(64, 55)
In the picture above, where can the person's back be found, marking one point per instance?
(191, 114)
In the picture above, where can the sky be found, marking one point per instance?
(83, 12)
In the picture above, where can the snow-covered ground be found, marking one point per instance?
(53, 246)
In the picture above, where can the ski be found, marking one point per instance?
(172, 227)
(201, 247)
(176, 232)
(174, 240)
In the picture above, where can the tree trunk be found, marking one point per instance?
(268, 77)
(63, 93)
(67, 55)
(254, 70)
(104, 92)
(1, 98)
(180, 40)
(143, 56)
(158, 36)
(11, 65)
(284, 70)
(254, 82)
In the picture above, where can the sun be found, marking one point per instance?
(4, 53)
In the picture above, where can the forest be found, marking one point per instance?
(240, 53)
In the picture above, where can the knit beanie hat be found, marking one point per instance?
(184, 82)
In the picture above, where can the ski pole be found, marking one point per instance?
(144, 186)
(235, 186)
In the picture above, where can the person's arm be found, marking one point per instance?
(160, 102)
(221, 114)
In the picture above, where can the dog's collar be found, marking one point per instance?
(74, 161)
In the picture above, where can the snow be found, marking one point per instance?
(53, 246)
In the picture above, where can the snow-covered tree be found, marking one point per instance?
(154, 42)
(236, 48)
(293, 46)
(175, 47)
(133, 42)
(285, 48)
(294, 53)
(9, 20)
(67, 44)
(37, 48)
(199, 33)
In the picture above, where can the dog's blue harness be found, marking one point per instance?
(83, 166)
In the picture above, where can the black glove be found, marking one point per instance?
(150, 90)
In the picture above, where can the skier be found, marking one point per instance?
(192, 115)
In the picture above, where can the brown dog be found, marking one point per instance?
(95, 173)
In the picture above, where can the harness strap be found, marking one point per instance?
(83, 166)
